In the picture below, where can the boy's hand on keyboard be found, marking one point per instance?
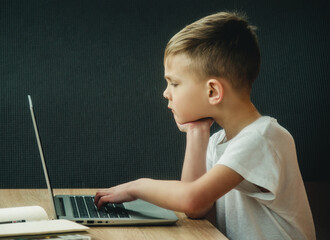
(117, 194)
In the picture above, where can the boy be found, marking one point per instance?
(248, 170)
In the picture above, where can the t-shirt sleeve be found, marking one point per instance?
(251, 156)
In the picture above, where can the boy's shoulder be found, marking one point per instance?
(266, 128)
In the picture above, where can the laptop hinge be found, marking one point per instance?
(59, 205)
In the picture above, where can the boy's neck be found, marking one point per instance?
(235, 118)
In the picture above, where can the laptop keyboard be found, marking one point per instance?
(84, 207)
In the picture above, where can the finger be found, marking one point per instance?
(181, 127)
(103, 200)
(98, 195)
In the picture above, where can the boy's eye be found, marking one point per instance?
(174, 84)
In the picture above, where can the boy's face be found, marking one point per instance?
(185, 92)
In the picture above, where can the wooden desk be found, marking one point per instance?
(184, 229)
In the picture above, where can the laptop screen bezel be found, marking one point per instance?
(44, 166)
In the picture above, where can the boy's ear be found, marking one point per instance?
(215, 91)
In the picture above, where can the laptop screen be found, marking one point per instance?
(50, 190)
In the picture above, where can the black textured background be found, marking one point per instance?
(94, 70)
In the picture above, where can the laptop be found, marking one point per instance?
(81, 208)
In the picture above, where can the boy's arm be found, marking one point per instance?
(193, 198)
(194, 166)
(195, 194)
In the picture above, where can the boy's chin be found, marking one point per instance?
(185, 121)
(180, 121)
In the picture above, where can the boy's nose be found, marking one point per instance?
(165, 94)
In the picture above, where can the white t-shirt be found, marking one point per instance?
(264, 154)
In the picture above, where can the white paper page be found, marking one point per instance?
(29, 213)
(40, 227)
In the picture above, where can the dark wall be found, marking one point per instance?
(95, 73)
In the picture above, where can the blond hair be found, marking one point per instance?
(220, 45)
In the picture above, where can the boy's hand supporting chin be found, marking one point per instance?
(201, 124)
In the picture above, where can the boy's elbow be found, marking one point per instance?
(194, 208)
(195, 215)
